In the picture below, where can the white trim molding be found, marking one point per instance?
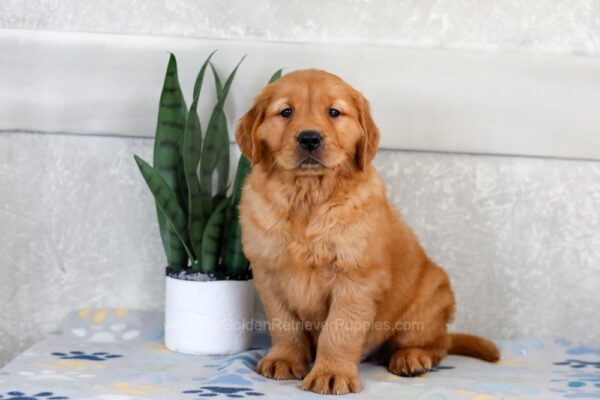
(422, 99)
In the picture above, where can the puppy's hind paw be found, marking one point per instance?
(410, 362)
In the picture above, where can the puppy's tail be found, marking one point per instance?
(473, 346)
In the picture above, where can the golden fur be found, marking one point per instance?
(338, 271)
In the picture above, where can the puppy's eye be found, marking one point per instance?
(286, 113)
(333, 113)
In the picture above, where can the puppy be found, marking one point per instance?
(338, 271)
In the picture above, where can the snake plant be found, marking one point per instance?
(198, 219)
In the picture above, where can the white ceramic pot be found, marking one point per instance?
(211, 317)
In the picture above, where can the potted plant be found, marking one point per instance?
(209, 293)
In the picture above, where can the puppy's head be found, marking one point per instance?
(309, 122)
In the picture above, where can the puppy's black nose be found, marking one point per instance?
(309, 140)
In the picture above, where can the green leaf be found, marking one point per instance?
(200, 77)
(172, 116)
(216, 144)
(243, 169)
(276, 75)
(166, 200)
(217, 198)
(196, 266)
(211, 242)
(192, 149)
(233, 257)
(223, 138)
(218, 84)
(191, 157)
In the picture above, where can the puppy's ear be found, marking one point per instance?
(366, 148)
(245, 135)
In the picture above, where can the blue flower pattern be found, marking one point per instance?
(80, 355)
(581, 377)
(224, 391)
(16, 395)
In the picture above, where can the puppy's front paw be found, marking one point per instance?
(330, 382)
(281, 369)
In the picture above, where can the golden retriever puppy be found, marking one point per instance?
(338, 271)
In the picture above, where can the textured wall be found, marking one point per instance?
(72, 232)
(571, 26)
(519, 236)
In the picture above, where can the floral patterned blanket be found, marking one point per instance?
(118, 354)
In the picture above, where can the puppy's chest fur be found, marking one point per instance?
(300, 250)
(305, 293)
(304, 237)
